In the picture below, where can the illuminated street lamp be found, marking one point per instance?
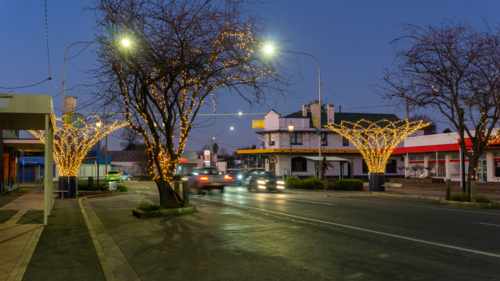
(290, 129)
(269, 49)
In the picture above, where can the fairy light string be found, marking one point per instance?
(377, 140)
(72, 144)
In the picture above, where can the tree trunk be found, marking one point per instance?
(164, 190)
(472, 174)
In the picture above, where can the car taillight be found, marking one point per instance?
(228, 177)
(107, 175)
(118, 174)
(204, 178)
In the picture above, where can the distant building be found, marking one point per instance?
(305, 143)
(132, 162)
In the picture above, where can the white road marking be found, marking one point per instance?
(363, 229)
(417, 206)
(285, 199)
(489, 224)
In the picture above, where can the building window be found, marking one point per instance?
(365, 167)
(299, 164)
(391, 166)
(296, 138)
(324, 139)
(345, 141)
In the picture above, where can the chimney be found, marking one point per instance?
(304, 110)
(330, 113)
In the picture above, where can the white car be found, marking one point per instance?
(205, 179)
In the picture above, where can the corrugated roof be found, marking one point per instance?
(349, 117)
(126, 155)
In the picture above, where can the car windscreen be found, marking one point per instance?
(112, 172)
(209, 171)
(268, 175)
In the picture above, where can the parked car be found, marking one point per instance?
(265, 181)
(234, 176)
(205, 179)
(113, 175)
(126, 177)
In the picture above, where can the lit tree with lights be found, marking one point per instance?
(179, 55)
(73, 143)
(376, 140)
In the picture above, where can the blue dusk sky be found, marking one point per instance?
(351, 40)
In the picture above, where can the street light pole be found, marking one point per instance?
(98, 125)
(270, 49)
(212, 146)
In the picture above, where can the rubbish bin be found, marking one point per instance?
(112, 185)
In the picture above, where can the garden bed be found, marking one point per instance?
(410, 180)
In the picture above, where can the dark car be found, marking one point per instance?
(234, 176)
(265, 181)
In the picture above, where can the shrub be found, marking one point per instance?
(85, 186)
(148, 206)
(328, 183)
(462, 197)
(293, 182)
(122, 188)
(482, 199)
(309, 183)
(145, 178)
(347, 184)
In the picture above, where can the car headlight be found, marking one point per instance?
(261, 182)
(262, 187)
(280, 187)
(240, 177)
(280, 182)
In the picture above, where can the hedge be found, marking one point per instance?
(462, 197)
(145, 177)
(85, 186)
(347, 184)
(309, 183)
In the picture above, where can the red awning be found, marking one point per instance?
(427, 148)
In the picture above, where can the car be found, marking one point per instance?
(265, 181)
(205, 179)
(126, 177)
(234, 176)
(113, 175)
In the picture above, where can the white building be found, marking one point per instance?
(305, 142)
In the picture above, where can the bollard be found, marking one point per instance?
(473, 191)
(448, 189)
(185, 193)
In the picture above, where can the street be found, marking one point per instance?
(278, 236)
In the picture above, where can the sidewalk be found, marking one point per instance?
(65, 250)
(20, 229)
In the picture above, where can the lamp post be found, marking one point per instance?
(98, 125)
(212, 161)
(290, 129)
(269, 49)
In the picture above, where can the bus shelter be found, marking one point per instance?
(31, 112)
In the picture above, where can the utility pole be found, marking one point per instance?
(106, 148)
(212, 151)
(407, 109)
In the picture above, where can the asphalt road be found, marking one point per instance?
(241, 235)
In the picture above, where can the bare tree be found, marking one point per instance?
(223, 152)
(452, 69)
(430, 129)
(131, 139)
(181, 52)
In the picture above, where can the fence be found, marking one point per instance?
(132, 170)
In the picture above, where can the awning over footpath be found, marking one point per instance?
(328, 158)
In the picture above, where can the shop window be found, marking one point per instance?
(299, 164)
(365, 167)
(391, 167)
